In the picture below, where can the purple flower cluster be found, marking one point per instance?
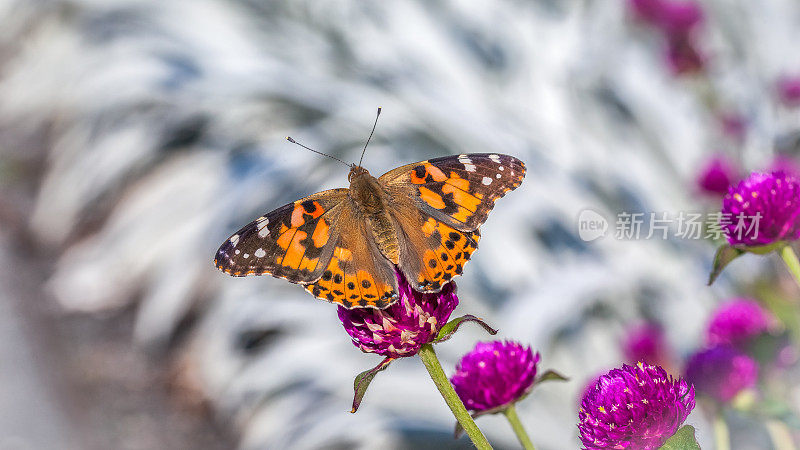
(736, 322)
(717, 175)
(721, 372)
(762, 209)
(634, 407)
(788, 88)
(646, 343)
(494, 374)
(403, 328)
(678, 21)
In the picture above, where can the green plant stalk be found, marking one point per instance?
(790, 258)
(428, 357)
(722, 436)
(519, 430)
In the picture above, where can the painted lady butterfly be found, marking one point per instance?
(344, 245)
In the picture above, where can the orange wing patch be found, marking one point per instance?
(449, 250)
(357, 289)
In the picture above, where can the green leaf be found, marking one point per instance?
(451, 327)
(683, 439)
(725, 254)
(362, 381)
(550, 375)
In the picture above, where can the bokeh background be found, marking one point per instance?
(136, 135)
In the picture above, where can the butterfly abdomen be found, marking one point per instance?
(370, 200)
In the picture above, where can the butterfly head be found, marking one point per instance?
(356, 172)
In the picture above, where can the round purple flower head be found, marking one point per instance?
(635, 407)
(788, 88)
(402, 328)
(646, 343)
(494, 374)
(762, 209)
(717, 175)
(721, 372)
(736, 322)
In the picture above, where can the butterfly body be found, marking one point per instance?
(344, 245)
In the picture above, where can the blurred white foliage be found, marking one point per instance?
(164, 124)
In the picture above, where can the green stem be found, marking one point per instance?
(519, 430)
(790, 258)
(428, 357)
(722, 436)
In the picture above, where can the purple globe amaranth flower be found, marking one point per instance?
(788, 88)
(737, 322)
(761, 210)
(734, 125)
(646, 343)
(717, 175)
(671, 17)
(786, 164)
(404, 327)
(635, 407)
(494, 374)
(683, 56)
(721, 372)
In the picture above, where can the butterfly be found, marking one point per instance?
(344, 245)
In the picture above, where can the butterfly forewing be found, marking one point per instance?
(295, 241)
(459, 190)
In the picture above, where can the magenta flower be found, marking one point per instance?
(671, 17)
(402, 328)
(786, 164)
(494, 374)
(721, 372)
(788, 88)
(634, 407)
(646, 343)
(717, 175)
(734, 126)
(763, 209)
(737, 322)
(683, 56)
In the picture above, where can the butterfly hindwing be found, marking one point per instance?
(294, 242)
(358, 275)
(459, 190)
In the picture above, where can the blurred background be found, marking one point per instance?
(137, 135)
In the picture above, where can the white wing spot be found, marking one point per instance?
(469, 167)
(260, 253)
(498, 175)
(486, 180)
(495, 158)
(245, 256)
(237, 252)
(502, 168)
(263, 231)
(234, 240)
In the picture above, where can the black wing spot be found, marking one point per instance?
(455, 236)
(327, 275)
(366, 284)
(351, 285)
(338, 278)
(432, 263)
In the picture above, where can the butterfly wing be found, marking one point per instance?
(357, 275)
(319, 241)
(293, 242)
(439, 204)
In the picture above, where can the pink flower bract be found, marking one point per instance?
(635, 407)
(402, 328)
(494, 374)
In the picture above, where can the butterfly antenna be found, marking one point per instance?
(289, 138)
(370, 136)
